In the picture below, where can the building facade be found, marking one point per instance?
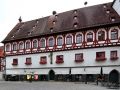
(78, 45)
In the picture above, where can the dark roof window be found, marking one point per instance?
(105, 6)
(75, 11)
(13, 36)
(107, 11)
(112, 19)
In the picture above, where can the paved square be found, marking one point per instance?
(4, 85)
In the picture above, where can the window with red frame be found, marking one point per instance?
(8, 47)
(35, 44)
(15, 62)
(21, 46)
(59, 41)
(42, 43)
(90, 37)
(79, 57)
(14, 47)
(101, 36)
(59, 59)
(28, 61)
(114, 34)
(100, 56)
(51, 42)
(28, 45)
(69, 40)
(113, 55)
(43, 60)
(78, 38)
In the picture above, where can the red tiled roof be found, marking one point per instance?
(88, 17)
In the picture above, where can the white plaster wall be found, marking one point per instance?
(69, 57)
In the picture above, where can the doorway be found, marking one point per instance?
(51, 75)
(114, 76)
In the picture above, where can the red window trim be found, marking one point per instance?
(100, 58)
(28, 63)
(15, 62)
(80, 59)
(112, 57)
(43, 61)
(58, 61)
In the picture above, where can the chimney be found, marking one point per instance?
(20, 20)
(54, 12)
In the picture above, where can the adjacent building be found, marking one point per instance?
(77, 45)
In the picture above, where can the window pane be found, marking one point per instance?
(27, 45)
(79, 56)
(101, 35)
(90, 37)
(42, 43)
(113, 53)
(7, 47)
(59, 41)
(69, 40)
(114, 34)
(14, 47)
(21, 45)
(78, 38)
(51, 42)
(60, 57)
(28, 60)
(34, 44)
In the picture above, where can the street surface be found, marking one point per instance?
(49, 85)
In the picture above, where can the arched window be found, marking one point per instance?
(114, 34)
(78, 38)
(42, 43)
(69, 40)
(28, 45)
(8, 47)
(59, 41)
(101, 36)
(14, 47)
(35, 44)
(21, 45)
(89, 37)
(51, 42)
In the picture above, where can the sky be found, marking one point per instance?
(11, 10)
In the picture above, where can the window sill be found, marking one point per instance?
(101, 59)
(43, 62)
(28, 63)
(113, 58)
(81, 60)
(59, 61)
(14, 64)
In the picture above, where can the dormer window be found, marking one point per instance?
(75, 25)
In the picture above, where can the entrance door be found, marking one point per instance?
(51, 75)
(114, 76)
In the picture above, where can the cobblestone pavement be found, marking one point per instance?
(7, 85)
